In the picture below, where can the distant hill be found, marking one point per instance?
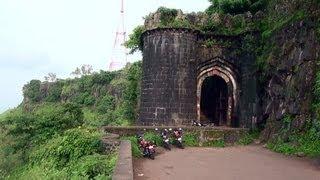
(105, 97)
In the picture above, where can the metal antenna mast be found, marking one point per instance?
(119, 52)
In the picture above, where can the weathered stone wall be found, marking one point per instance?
(168, 93)
(293, 65)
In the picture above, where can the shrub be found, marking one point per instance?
(103, 78)
(249, 137)
(190, 139)
(215, 143)
(167, 15)
(69, 147)
(32, 90)
(154, 138)
(54, 91)
(106, 103)
(92, 166)
(29, 129)
(89, 100)
(306, 142)
(134, 42)
(132, 91)
(236, 6)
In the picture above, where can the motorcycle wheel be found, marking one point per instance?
(151, 156)
(167, 146)
(180, 145)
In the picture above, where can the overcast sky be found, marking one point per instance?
(42, 36)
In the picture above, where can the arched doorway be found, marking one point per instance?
(214, 101)
(217, 90)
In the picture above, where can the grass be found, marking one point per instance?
(215, 143)
(249, 137)
(307, 143)
(134, 146)
(191, 139)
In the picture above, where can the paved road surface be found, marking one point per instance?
(231, 163)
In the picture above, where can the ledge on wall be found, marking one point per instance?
(124, 168)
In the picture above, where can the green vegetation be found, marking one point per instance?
(215, 143)
(236, 6)
(249, 137)
(136, 152)
(306, 143)
(237, 24)
(51, 142)
(54, 133)
(191, 139)
(134, 43)
(290, 141)
(106, 98)
(167, 15)
(32, 90)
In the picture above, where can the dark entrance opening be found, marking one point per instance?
(214, 101)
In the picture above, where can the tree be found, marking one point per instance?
(134, 43)
(51, 77)
(236, 6)
(76, 72)
(31, 91)
(132, 90)
(85, 69)
(106, 103)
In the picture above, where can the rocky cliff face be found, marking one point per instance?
(292, 66)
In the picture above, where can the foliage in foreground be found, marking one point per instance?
(306, 143)
(53, 133)
(249, 137)
(51, 142)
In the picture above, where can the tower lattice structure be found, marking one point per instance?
(119, 52)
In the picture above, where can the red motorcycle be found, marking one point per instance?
(147, 147)
(151, 151)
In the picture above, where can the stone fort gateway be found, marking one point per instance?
(185, 80)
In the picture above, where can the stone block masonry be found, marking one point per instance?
(177, 66)
(168, 81)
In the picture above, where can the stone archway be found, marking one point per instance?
(226, 73)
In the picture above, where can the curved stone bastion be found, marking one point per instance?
(190, 76)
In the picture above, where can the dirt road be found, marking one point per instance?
(232, 163)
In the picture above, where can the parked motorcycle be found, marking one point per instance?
(151, 151)
(177, 133)
(165, 139)
(147, 147)
(195, 123)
